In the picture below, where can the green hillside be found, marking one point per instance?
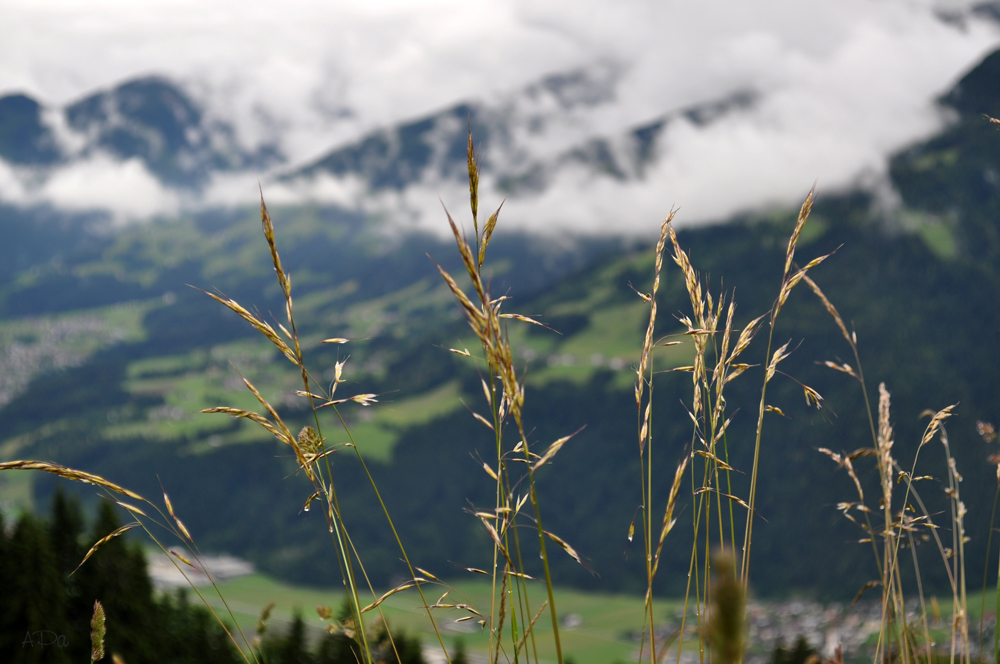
(115, 355)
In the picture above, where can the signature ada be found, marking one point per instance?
(44, 638)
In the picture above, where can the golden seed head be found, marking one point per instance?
(97, 632)
(726, 626)
(309, 441)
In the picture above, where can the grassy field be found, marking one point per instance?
(597, 628)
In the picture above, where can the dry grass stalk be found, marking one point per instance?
(896, 635)
(644, 379)
(717, 352)
(101, 542)
(788, 282)
(70, 474)
(485, 317)
(311, 451)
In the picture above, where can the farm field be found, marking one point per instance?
(598, 628)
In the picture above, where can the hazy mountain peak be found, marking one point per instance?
(147, 136)
(978, 92)
(579, 87)
(524, 138)
(154, 120)
(24, 138)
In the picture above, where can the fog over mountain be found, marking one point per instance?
(590, 116)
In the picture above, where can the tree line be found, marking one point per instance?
(46, 606)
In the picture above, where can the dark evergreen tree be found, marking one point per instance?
(291, 647)
(4, 544)
(799, 654)
(191, 635)
(66, 531)
(66, 528)
(409, 649)
(336, 649)
(399, 649)
(34, 619)
(459, 656)
(117, 576)
(6, 585)
(45, 613)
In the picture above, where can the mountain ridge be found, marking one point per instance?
(528, 137)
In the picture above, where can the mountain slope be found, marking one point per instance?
(919, 283)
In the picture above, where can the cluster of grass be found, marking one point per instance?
(514, 605)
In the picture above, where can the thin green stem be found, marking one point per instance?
(395, 534)
(541, 539)
(748, 533)
(986, 571)
(996, 621)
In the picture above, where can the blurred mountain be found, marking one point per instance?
(107, 356)
(150, 119)
(24, 138)
(526, 138)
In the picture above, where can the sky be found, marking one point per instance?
(840, 85)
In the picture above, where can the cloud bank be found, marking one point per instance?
(839, 87)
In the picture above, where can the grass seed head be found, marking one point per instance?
(268, 226)
(936, 421)
(491, 225)
(799, 223)
(259, 325)
(473, 178)
(263, 618)
(309, 441)
(986, 431)
(691, 282)
(832, 310)
(70, 474)
(728, 602)
(101, 542)
(97, 633)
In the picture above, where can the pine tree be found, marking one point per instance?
(292, 649)
(459, 655)
(66, 527)
(800, 654)
(34, 606)
(4, 545)
(190, 634)
(38, 599)
(399, 649)
(409, 649)
(6, 585)
(117, 576)
(336, 649)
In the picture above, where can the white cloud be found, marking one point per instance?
(842, 85)
(126, 188)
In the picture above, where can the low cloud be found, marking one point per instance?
(840, 86)
(124, 188)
